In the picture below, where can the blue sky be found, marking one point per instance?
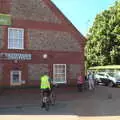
(82, 12)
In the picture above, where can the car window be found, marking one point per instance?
(111, 74)
(107, 75)
(117, 75)
(101, 74)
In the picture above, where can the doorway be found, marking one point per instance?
(15, 77)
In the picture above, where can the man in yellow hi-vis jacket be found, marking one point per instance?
(45, 86)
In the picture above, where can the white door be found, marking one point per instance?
(15, 77)
(59, 73)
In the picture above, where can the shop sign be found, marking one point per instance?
(15, 56)
(5, 19)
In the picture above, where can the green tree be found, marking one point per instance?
(103, 45)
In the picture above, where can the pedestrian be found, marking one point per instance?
(91, 81)
(80, 83)
(94, 79)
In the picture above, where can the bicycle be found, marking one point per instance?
(52, 97)
(49, 99)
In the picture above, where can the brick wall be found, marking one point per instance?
(4, 6)
(1, 37)
(52, 40)
(1, 66)
(74, 69)
(35, 70)
(32, 10)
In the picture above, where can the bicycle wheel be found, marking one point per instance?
(47, 106)
(53, 98)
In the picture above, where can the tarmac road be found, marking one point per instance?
(101, 104)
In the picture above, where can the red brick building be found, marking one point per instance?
(35, 37)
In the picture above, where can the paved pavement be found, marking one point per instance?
(103, 103)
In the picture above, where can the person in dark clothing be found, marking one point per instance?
(80, 83)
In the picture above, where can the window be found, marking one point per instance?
(15, 38)
(1, 4)
(101, 74)
(59, 73)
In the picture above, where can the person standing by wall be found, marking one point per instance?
(91, 81)
(80, 83)
(94, 79)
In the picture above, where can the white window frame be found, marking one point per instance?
(11, 77)
(65, 81)
(22, 38)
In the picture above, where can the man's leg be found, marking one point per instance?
(78, 87)
(43, 93)
(90, 87)
(93, 84)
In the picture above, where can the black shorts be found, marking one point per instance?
(46, 92)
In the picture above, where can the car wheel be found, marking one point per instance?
(110, 84)
(106, 84)
(98, 80)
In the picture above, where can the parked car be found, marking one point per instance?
(108, 79)
(117, 76)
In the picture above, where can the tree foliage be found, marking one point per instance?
(103, 45)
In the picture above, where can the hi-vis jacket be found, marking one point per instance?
(44, 82)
